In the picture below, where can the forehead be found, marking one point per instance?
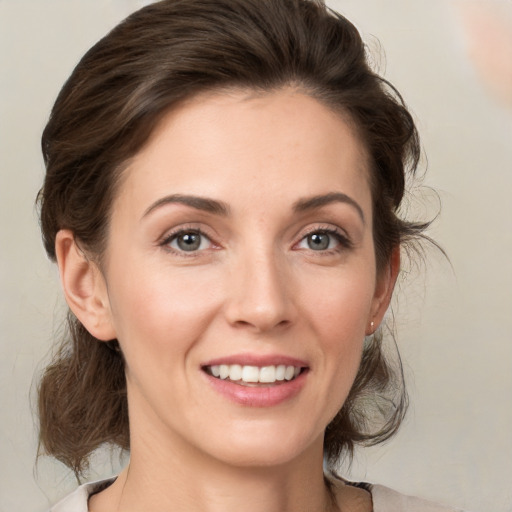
(283, 141)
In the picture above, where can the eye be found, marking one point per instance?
(323, 240)
(188, 241)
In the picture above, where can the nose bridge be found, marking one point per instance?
(260, 291)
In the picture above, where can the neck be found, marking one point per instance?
(168, 480)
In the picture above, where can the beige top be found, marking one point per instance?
(384, 500)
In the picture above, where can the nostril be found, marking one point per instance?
(261, 326)
(241, 323)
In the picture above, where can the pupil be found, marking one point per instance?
(189, 241)
(318, 241)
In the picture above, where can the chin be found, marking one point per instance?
(265, 448)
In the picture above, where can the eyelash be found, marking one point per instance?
(343, 241)
(341, 238)
(171, 237)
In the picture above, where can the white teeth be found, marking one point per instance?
(250, 374)
(288, 374)
(235, 372)
(224, 371)
(268, 374)
(254, 374)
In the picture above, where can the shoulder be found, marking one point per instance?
(385, 499)
(77, 500)
(388, 500)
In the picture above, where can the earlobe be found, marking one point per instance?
(84, 287)
(384, 291)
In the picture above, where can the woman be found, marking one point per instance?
(223, 180)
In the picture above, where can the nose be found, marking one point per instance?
(260, 292)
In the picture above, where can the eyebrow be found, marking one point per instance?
(221, 208)
(197, 202)
(312, 203)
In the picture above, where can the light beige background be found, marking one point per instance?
(455, 328)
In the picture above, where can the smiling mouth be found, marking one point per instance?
(254, 375)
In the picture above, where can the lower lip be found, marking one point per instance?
(255, 396)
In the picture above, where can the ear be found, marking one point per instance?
(383, 291)
(84, 287)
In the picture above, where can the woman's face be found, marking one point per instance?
(241, 276)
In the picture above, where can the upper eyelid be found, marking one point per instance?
(327, 228)
(186, 227)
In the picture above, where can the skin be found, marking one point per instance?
(255, 286)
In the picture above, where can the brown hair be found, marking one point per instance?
(160, 55)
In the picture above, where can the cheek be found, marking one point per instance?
(160, 310)
(339, 317)
(340, 304)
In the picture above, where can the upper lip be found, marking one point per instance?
(257, 360)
